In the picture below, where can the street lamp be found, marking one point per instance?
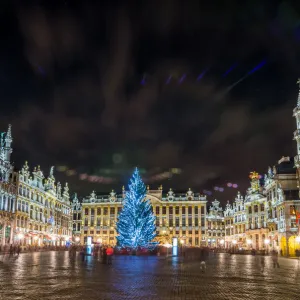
(234, 242)
(77, 239)
(267, 242)
(20, 236)
(222, 242)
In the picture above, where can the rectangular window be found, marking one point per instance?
(170, 210)
(98, 211)
(177, 222)
(190, 222)
(183, 232)
(74, 217)
(86, 222)
(196, 241)
(183, 222)
(202, 210)
(196, 210)
(92, 232)
(171, 222)
(157, 222)
(105, 211)
(98, 222)
(292, 210)
(190, 209)
(183, 210)
(92, 211)
(177, 232)
(104, 232)
(177, 210)
(164, 210)
(157, 210)
(98, 231)
(112, 210)
(196, 222)
(196, 232)
(111, 232)
(119, 209)
(190, 232)
(86, 211)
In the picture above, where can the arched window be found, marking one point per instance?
(20, 190)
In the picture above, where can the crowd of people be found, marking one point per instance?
(105, 253)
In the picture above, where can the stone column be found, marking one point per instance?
(193, 225)
(3, 233)
(259, 216)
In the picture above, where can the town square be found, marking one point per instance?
(150, 150)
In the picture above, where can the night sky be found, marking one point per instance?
(102, 88)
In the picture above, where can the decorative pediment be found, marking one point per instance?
(170, 195)
(93, 196)
(112, 196)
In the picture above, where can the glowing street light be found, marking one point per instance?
(267, 241)
(77, 239)
(20, 236)
(222, 242)
(249, 242)
(234, 242)
(99, 240)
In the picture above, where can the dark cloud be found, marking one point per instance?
(81, 101)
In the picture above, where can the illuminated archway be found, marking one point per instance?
(292, 246)
(283, 246)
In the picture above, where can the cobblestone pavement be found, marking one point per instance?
(51, 275)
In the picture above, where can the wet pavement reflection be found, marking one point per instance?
(52, 275)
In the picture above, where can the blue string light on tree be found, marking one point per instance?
(136, 223)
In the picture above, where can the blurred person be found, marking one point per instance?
(262, 262)
(104, 255)
(275, 259)
(109, 253)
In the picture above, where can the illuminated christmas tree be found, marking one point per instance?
(136, 222)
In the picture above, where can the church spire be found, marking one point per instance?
(298, 101)
(8, 137)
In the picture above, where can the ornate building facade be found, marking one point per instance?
(215, 225)
(43, 211)
(76, 210)
(177, 215)
(7, 190)
(266, 218)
